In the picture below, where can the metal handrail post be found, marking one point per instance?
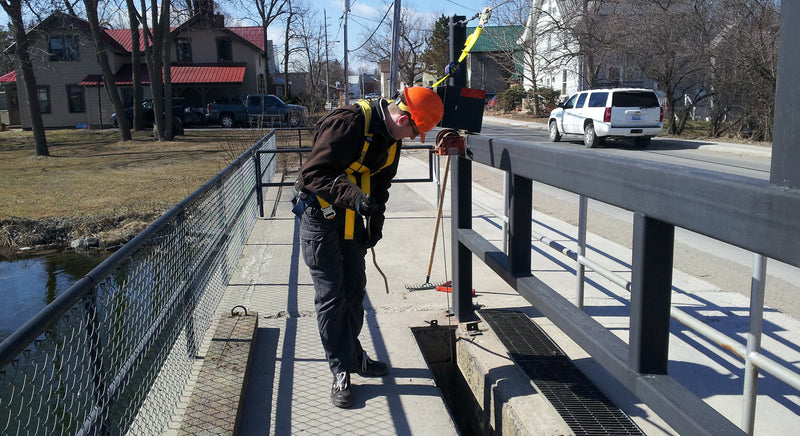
(505, 212)
(580, 269)
(753, 342)
(259, 193)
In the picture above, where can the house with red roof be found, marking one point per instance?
(209, 61)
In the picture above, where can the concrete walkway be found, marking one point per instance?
(289, 385)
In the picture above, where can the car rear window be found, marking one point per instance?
(634, 99)
(598, 99)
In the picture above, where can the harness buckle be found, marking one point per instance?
(328, 213)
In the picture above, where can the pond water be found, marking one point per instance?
(28, 284)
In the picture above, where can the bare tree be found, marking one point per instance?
(290, 13)
(22, 52)
(157, 39)
(105, 67)
(136, 60)
(414, 35)
(308, 31)
(669, 41)
(744, 60)
(268, 11)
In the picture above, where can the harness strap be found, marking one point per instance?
(359, 174)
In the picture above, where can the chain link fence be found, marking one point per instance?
(114, 352)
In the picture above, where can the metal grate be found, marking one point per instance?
(582, 406)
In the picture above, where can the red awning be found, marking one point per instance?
(9, 77)
(181, 75)
(208, 74)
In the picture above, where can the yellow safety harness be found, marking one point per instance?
(359, 174)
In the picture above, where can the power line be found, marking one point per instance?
(376, 28)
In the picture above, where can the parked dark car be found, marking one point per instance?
(181, 110)
(256, 110)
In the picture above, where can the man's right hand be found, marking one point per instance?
(364, 206)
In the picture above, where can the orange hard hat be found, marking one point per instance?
(425, 107)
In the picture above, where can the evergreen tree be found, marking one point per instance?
(437, 55)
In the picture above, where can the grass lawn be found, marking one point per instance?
(93, 174)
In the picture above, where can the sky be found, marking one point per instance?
(365, 15)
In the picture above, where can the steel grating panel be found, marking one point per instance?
(579, 402)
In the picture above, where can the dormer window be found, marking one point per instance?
(183, 49)
(64, 48)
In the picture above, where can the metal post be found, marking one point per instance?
(520, 213)
(461, 205)
(651, 291)
(394, 64)
(580, 269)
(327, 79)
(505, 212)
(785, 155)
(753, 342)
(259, 193)
(346, 77)
(458, 37)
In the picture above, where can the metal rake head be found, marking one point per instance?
(423, 286)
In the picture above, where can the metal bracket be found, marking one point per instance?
(472, 328)
(233, 310)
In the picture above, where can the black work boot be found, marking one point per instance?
(340, 391)
(371, 368)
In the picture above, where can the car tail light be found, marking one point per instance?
(607, 115)
(661, 116)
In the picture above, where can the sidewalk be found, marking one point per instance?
(289, 385)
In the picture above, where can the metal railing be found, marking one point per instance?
(300, 150)
(750, 352)
(113, 353)
(748, 213)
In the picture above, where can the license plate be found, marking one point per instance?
(636, 117)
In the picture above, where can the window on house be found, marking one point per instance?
(77, 104)
(224, 49)
(183, 48)
(564, 83)
(43, 94)
(64, 48)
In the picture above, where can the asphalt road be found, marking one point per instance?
(727, 267)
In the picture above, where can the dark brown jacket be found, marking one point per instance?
(338, 142)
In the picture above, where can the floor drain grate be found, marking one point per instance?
(584, 408)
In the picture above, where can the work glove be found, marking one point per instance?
(375, 234)
(365, 207)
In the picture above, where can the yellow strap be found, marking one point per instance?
(485, 14)
(360, 174)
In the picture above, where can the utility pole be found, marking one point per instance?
(346, 77)
(327, 79)
(393, 64)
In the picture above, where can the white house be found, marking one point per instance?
(557, 61)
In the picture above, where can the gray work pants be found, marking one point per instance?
(338, 273)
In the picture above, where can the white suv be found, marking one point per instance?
(608, 113)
